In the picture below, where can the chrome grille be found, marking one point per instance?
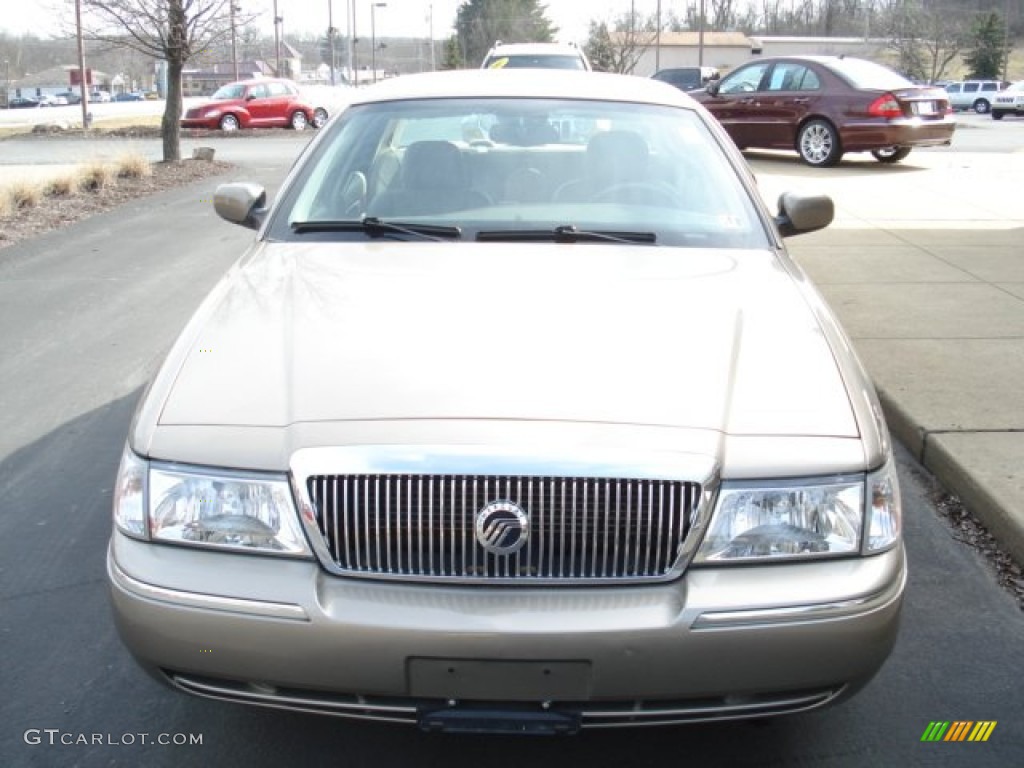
(579, 528)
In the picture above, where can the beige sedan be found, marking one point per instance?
(515, 417)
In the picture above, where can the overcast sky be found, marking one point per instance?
(400, 18)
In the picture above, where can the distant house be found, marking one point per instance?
(52, 81)
(203, 82)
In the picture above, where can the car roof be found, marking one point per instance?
(523, 83)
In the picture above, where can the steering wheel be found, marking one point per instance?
(640, 193)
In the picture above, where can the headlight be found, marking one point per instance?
(885, 517)
(130, 496)
(784, 521)
(246, 512)
(799, 519)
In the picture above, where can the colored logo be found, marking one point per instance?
(502, 527)
(959, 730)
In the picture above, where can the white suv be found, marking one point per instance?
(973, 94)
(535, 56)
(1009, 101)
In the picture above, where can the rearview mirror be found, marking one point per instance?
(800, 214)
(241, 203)
(713, 87)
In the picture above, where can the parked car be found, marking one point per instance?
(327, 100)
(1009, 101)
(825, 106)
(23, 102)
(69, 97)
(130, 96)
(687, 78)
(973, 94)
(100, 97)
(535, 56)
(261, 103)
(512, 436)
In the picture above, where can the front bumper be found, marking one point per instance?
(719, 643)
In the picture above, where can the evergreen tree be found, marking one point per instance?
(987, 54)
(479, 23)
(452, 58)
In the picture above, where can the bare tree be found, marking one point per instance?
(926, 36)
(173, 30)
(619, 49)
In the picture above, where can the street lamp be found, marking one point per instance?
(7, 91)
(373, 36)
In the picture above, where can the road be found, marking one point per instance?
(85, 314)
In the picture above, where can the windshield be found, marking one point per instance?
(642, 173)
(229, 92)
(542, 61)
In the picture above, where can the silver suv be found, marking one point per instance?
(974, 94)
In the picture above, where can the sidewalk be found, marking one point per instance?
(924, 265)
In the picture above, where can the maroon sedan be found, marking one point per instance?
(260, 103)
(824, 106)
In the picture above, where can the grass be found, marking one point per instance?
(24, 194)
(97, 175)
(65, 186)
(100, 126)
(90, 177)
(133, 166)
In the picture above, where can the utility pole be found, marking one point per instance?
(657, 41)
(234, 45)
(277, 42)
(700, 37)
(82, 85)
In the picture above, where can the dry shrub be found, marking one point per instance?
(24, 194)
(6, 207)
(134, 166)
(65, 186)
(97, 175)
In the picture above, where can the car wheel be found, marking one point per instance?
(229, 123)
(997, 114)
(818, 144)
(319, 117)
(890, 154)
(298, 121)
(981, 106)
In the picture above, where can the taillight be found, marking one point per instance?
(885, 106)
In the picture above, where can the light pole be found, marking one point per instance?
(330, 35)
(7, 80)
(352, 58)
(373, 36)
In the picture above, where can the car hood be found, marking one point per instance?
(639, 335)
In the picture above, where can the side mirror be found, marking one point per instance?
(713, 87)
(241, 203)
(800, 214)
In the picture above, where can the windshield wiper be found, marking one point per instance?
(371, 225)
(566, 233)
